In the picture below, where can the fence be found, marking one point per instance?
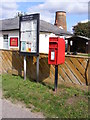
(74, 70)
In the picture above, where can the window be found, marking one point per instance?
(5, 42)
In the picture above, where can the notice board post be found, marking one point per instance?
(24, 67)
(29, 38)
(37, 67)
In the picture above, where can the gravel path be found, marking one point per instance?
(0, 105)
(10, 110)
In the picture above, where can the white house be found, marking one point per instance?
(10, 28)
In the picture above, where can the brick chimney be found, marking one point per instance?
(60, 19)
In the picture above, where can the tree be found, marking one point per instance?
(82, 29)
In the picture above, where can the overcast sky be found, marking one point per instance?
(76, 11)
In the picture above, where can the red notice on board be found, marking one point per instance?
(14, 42)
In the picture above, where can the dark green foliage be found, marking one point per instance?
(82, 29)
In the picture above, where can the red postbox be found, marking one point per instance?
(56, 54)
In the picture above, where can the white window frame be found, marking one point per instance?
(13, 46)
(4, 41)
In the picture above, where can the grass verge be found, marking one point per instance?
(68, 102)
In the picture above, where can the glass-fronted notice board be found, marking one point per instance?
(29, 34)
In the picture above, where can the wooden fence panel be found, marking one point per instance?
(69, 73)
(74, 70)
(78, 66)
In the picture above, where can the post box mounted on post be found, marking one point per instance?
(56, 54)
(29, 38)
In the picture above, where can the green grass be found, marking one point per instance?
(68, 102)
(81, 54)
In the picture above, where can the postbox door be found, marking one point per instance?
(61, 51)
(52, 56)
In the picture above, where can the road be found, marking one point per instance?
(10, 110)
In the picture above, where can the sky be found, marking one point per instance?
(76, 10)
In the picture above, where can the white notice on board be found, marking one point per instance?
(53, 55)
(27, 36)
(29, 25)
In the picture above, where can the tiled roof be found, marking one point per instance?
(13, 24)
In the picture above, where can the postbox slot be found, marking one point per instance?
(53, 41)
(53, 45)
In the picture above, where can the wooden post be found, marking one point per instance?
(68, 50)
(37, 68)
(24, 67)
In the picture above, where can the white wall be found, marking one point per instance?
(9, 33)
(44, 42)
(1, 40)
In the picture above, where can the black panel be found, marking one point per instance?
(30, 18)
